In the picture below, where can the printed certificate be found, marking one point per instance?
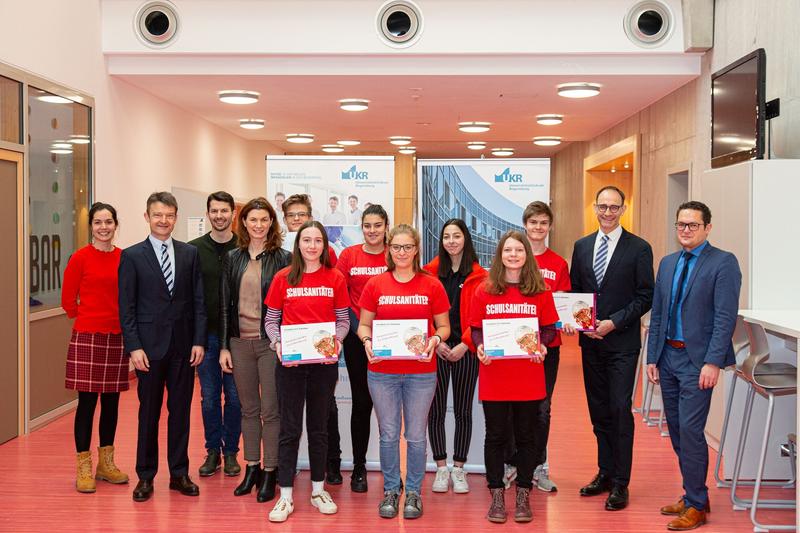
(511, 338)
(399, 339)
(308, 343)
(577, 309)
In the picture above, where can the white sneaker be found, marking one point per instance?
(541, 477)
(324, 502)
(459, 477)
(442, 481)
(509, 475)
(283, 508)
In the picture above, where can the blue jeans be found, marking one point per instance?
(222, 429)
(409, 396)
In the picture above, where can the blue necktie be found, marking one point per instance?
(673, 312)
(166, 268)
(600, 260)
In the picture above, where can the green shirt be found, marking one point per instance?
(211, 254)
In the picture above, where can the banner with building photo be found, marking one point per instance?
(340, 187)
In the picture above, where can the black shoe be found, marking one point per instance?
(143, 490)
(334, 476)
(211, 464)
(252, 478)
(232, 467)
(618, 499)
(266, 490)
(358, 481)
(184, 485)
(600, 484)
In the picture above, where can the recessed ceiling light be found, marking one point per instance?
(63, 145)
(79, 139)
(613, 169)
(578, 90)
(354, 104)
(332, 148)
(547, 141)
(300, 138)
(238, 97)
(476, 145)
(502, 152)
(348, 143)
(626, 165)
(474, 127)
(54, 99)
(408, 150)
(549, 120)
(61, 151)
(399, 140)
(251, 123)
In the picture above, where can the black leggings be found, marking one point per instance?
(84, 416)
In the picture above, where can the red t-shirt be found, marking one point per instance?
(90, 291)
(332, 256)
(388, 299)
(512, 379)
(556, 275)
(314, 299)
(358, 268)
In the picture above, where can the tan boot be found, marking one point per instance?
(106, 469)
(84, 482)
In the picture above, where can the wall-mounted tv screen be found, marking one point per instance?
(737, 110)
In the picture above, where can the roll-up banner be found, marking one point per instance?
(340, 187)
(489, 196)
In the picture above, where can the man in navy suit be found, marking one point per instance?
(695, 305)
(617, 266)
(163, 321)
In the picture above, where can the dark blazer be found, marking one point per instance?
(625, 294)
(708, 313)
(149, 316)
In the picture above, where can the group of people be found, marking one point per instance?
(217, 304)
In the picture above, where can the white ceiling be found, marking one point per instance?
(427, 108)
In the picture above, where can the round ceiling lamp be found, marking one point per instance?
(348, 143)
(332, 148)
(578, 90)
(474, 127)
(300, 138)
(408, 150)
(476, 145)
(251, 123)
(400, 140)
(354, 104)
(549, 120)
(238, 97)
(54, 99)
(547, 141)
(502, 152)
(79, 139)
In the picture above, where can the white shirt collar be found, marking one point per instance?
(613, 236)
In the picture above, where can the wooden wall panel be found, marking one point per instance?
(10, 103)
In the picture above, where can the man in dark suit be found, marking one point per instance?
(617, 266)
(163, 322)
(695, 305)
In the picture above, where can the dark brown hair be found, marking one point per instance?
(694, 205)
(298, 265)
(99, 206)
(530, 279)
(274, 237)
(164, 197)
(468, 255)
(220, 196)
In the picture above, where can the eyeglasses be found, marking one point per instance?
(602, 208)
(405, 247)
(297, 214)
(691, 226)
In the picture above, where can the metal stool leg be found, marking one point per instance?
(720, 481)
(661, 430)
(636, 380)
(650, 420)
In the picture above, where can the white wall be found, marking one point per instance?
(143, 144)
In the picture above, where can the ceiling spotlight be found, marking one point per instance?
(546, 141)
(348, 143)
(238, 97)
(62, 145)
(79, 139)
(251, 123)
(502, 152)
(578, 90)
(476, 145)
(474, 127)
(61, 151)
(332, 148)
(399, 140)
(300, 138)
(626, 165)
(408, 150)
(53, 99)
(354, 104)
(613, 169)
(549, 120)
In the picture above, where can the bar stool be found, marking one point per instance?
(769, 386)
(740, 342)
(641, 361)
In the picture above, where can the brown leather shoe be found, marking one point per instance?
(497, 511)
(679, 507)
(523, 512)
(690, 519)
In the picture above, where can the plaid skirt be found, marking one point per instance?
(96, 362)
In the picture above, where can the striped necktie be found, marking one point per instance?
(166, 268)
(600, 260)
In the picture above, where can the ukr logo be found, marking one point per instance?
(354, 174)
(507, 177)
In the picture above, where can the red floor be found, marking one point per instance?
(37, 492)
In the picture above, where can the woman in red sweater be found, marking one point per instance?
(96, 363)
(512, 388)
(306, 292)
(457, 268)
(360, 263)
